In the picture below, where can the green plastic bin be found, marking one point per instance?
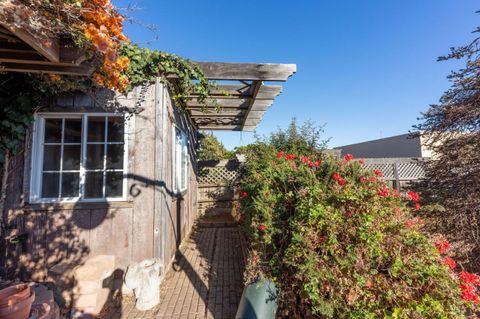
(259, 301)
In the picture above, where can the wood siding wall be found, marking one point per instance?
(150, 224)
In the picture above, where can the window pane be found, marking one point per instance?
(51, 157)
(50, 183)
(115, 129)
(115, 156)
(53, 130)
(93, 184)
(95, 156)
(71, 157)
(73, 131)
(96, 128)
(114, 184)
(184, 169)
(70, 184)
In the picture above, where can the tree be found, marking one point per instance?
(212, 149)
(452, 131)
(306, 138)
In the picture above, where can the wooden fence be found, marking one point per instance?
(217, 180)
(399, 171)
(216, 188)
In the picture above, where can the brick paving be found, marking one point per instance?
(206, 279)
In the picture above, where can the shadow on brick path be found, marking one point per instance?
(206, 279)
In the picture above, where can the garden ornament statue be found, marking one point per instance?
(144, 279)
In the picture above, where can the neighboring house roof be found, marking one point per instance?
(390, 147)
(245, 102)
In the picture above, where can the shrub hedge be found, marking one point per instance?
(340, 243)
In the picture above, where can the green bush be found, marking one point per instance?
(339, 243)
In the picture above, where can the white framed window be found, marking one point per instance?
(78, 157)
(180, 160)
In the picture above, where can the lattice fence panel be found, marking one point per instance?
(410, 170)
(387, 169)
(220, 175)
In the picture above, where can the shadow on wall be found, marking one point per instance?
(46, 242)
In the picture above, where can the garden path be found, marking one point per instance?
(205, 281)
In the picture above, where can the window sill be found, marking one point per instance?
(77, 205)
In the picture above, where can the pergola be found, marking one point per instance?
(243, 104)
(233, 107)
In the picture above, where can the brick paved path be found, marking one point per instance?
(205, 280)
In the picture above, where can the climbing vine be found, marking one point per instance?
(96, 27)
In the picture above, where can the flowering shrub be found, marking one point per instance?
(94, 25)
(339, 243)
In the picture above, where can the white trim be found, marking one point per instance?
(178, 163)
(36, 166)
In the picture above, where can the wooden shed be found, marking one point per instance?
(111, 174)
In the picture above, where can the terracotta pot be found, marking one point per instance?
(14, 294)
(40, 311)
(19, 309)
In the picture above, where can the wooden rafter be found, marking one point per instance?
(22, 52)
(255, 88)
(50, 51)
(247, 71)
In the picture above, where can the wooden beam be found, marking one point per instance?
(15, 47)
(237, 103)
(223, 112)
(83, 69)
(255, 88)
(231, 103)
(247, 71)
(233, 91)
(51, 52)
(221, 128)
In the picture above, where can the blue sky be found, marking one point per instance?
(366, 68)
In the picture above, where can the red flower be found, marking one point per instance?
(450, 263)
(348, 157)
(310, 164)
(243, 194)
(417, 206)
(469, 293)
(317, 163)
(363, 179)
(413, 222)
(280, 154)
(383, 192)
(290, 157)
(378, 173)
(348, 213)
(339, 179)
(413, 196)
(262, 227)
(470, 278)
(361, 162)
(304, 159)
(442, 246)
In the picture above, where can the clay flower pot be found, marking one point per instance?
(16, 302)
(14, 294)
